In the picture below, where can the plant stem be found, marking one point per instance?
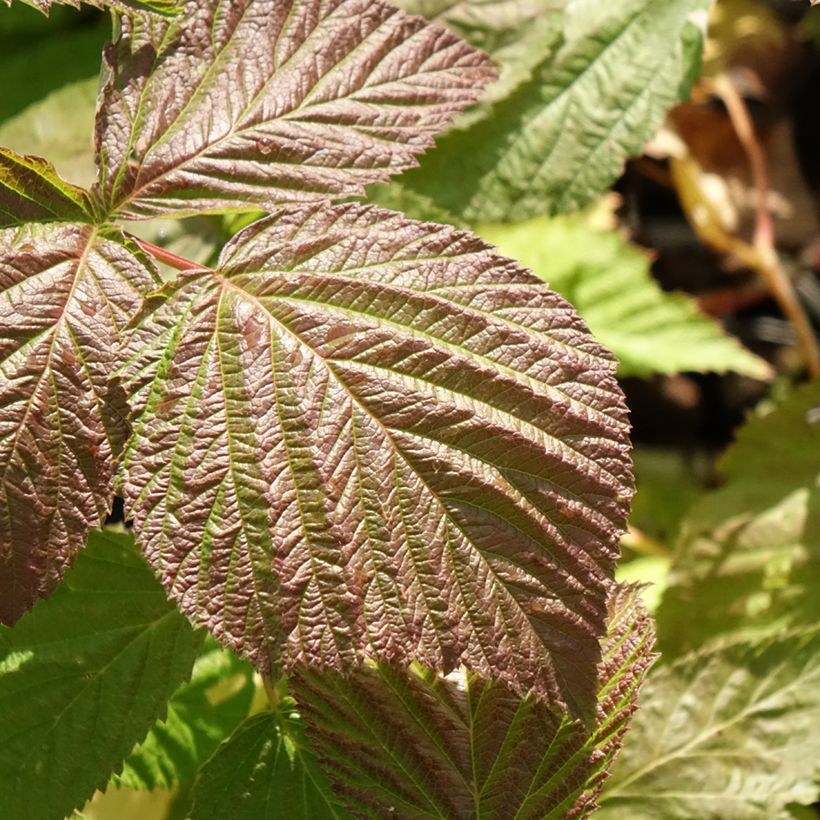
(768, 264)
(165, 256)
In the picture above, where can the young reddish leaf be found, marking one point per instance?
(365, 435)
(127, 6)
(67, 290)
(409, 743)
(31, 191)
(256, 102)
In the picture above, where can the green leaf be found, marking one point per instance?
(610, 284)
(169, 7)
(83, 677)
(338, 95)
(409, 743)
(68, 290)
(201, 714)
(367, 436)
(748, 561)
(31, 191)
(264, 771)
(729, 734)
(605, 75)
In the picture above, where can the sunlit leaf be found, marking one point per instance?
(729, 734)
(83, 676)
(256, 102)
(413, 744)
(605, 75)
(127, 6)
(67, 292)
(610, 284)
(748, 561)
(31, 191)
(364, 435)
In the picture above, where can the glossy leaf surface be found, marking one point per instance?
(729, 734)
(368, 436)
(412, 744)
(83, 676)
(31, 191)
(257, 102)
(67, 290)
(748, 560)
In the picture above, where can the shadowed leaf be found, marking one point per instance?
(367, 435)
(67, 292)
(83, 676)
(31, 191)
(410, 744)
(257, 102)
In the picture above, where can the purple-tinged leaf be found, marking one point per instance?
(409, 743)
(368, 436)
(31, 191)
(250, 103)
(126, 6)
(67, 291)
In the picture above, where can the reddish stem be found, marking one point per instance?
(170, 259)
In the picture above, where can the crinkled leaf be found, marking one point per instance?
(265, 771)
(201, 714)
(83, 676)
(610, 284)
(67, 292)
(367, 435)
(127, 6)
(413, 744)
(256, 102)
(748, 561)
(606, 74)
(729, 734)
(31, 191)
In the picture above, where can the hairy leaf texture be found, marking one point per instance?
(31, 191)
(257, 102)
(83, 676)
(748, 560)
(411, 744)
(726, 734)
(126, 6)
(603, 76)
(364, 435)
(67, 292)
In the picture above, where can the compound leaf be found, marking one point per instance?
(126, 6)
(201, 713)
(729, 734)
(748, 561)
(67, 291)
(83, 676)
(409, 743)
(31, 191)
(606, 75)
(257, 102)
(610, 284)
(265, 771)
(364, 435)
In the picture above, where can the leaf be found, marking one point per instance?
(729, 734)
(169, 7)
(413, 744)
(597, 94)
(748, 561)
(368, 436)
(67, 291)
(201, 714)
(31, 191)
(264, 771)
(610, 284)
(83, 676)
(339, 95)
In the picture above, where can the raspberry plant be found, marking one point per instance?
(369, 454)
